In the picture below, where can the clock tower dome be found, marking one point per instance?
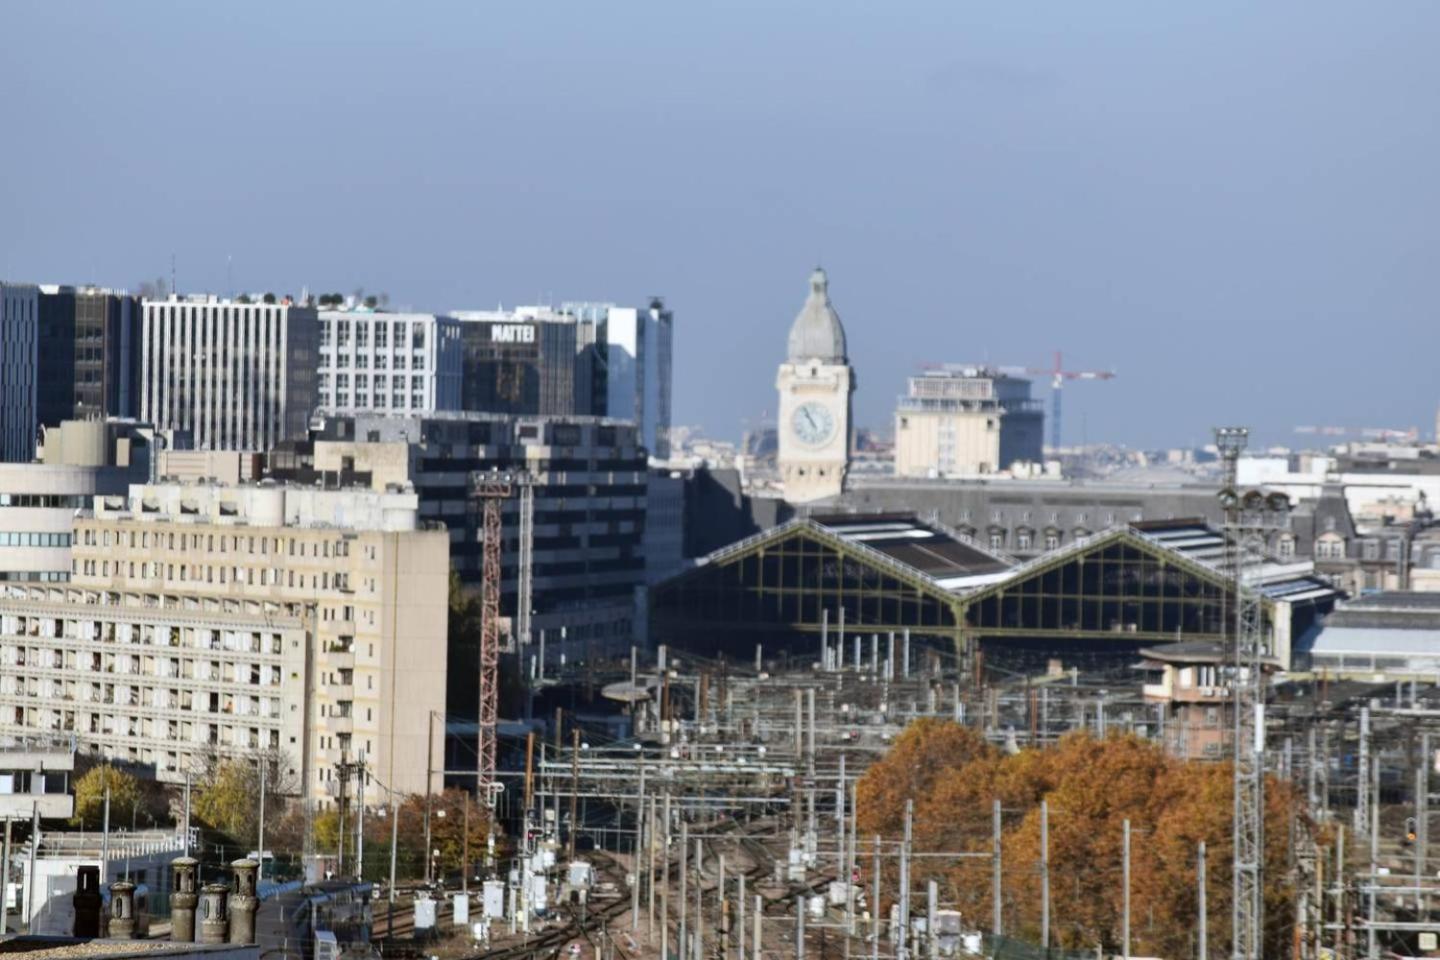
(815, 383)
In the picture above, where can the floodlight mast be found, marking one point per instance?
(1249, 516)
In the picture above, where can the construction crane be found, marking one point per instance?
(491, 488)
(1386, 434)
(1058, 375)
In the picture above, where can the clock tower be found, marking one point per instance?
(815, 384)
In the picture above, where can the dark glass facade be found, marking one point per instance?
(776, 594)
(520, 367)
(89, 355)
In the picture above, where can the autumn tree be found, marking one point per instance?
(1091, 787)
(227, 798)
(125, 797)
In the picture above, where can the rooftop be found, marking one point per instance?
(947, 557)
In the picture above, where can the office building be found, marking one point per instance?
(235, 375)
(208, 618)
(588, 478)
(38, 501)
(404, 363)
(518, 361)
(19, 333)
(629, 364)
(964, 421)
(89, 339)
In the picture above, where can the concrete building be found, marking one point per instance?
(966, 421)
(199, 618)
(235, 375)
(19, 401)
(38, 501)
(404, 363)
(35, 778)
(89, 354)
(815, 384)
(631, 354)
(1191, 689)
(1378, 638)
(519, 361)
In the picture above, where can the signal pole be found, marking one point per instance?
(1249, 516)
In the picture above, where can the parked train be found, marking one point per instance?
(318, 921)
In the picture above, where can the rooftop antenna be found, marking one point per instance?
(229, 277)
(173, 289)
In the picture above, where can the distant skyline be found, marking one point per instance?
(1234, 206)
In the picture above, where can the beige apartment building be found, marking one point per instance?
(236, 619)
(960, 421)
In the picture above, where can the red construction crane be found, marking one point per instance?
(1058, 375)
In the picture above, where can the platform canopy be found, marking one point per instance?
(784, 586)
(1103, 596)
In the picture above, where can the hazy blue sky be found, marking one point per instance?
(1141, 185)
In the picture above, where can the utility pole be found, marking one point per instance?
(1422, 816)
(360, 819)
(996, 917)
(260, 830)
(1204, 922)
(755, 942)
(1125, 935)
(874, 905)
(901, 949)
(684, 884)
(429, 790)
(394, 837)
(1045, 874)
(186, 828)
(640, 838)
(104, 840)
(343, 768)
(574, 786)
(1372, 935)
(665, 885)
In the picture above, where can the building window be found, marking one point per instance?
(1023, 540)
(1052, 541)
(997, 540)
(1287, 548)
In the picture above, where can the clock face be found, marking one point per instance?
(813, 423)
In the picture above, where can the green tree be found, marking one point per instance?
(90, 797)
(228, 794)
(227, 799)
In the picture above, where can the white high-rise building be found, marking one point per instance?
(236, 376)
(634, 348)
(404, 363)
(19, 336)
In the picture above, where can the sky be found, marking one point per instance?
(1232, 205)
